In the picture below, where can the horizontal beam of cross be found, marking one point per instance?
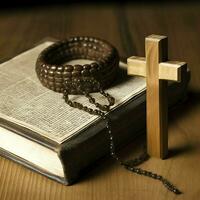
(170, 70)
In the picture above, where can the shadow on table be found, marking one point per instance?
(105, 165)
(180, 111)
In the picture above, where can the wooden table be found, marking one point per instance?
(125, 26)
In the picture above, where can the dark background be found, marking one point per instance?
(31, 3)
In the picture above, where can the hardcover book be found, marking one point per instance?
(40, 131)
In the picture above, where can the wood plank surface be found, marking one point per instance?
(125, 26)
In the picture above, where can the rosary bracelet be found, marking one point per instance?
(54, 72)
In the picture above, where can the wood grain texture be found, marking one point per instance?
(136, 66)
(157, 115)
(156, 71)
(170, 70)
(125, 27)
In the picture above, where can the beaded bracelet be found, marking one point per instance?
(54, 73)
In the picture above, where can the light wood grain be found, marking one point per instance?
(155, 68)
(125, 27)
(136, 66)
(171, 70)
(156, 97)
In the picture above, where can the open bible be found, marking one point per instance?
(40, 131)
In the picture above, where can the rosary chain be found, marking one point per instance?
(101, 111)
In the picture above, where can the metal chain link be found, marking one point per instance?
(101, 111)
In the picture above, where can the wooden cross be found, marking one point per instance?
(157, 71)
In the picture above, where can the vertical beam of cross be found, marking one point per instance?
(157, 71)
(155, 48)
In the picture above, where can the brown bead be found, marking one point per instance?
(43, 65)
(67, 74)
(69, 103)
(73, 91)
(86, 66)
(85, 72)
(67, 79)
(78, 67)
(50, 78)
(51, 83)
(80, 106)
(91, 39)
(41, 75)
(60, 68)
(48, 67)
(92, 100)
(69, 45)
(57, 89)
(93, 71)
(69, 68)
(106, 108)
(76, 73)
(94, 47)
(94, 65)
(53, 68)
(58, 74)
(96, 112)
(86, 38)
(52, 88)
(111, 100)
(97, 104)
(85, 108)
(59, 80)
(89, 45)
(90, 110)
(45, 81)
(96, 40)
(51, 72)
(45, 71)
